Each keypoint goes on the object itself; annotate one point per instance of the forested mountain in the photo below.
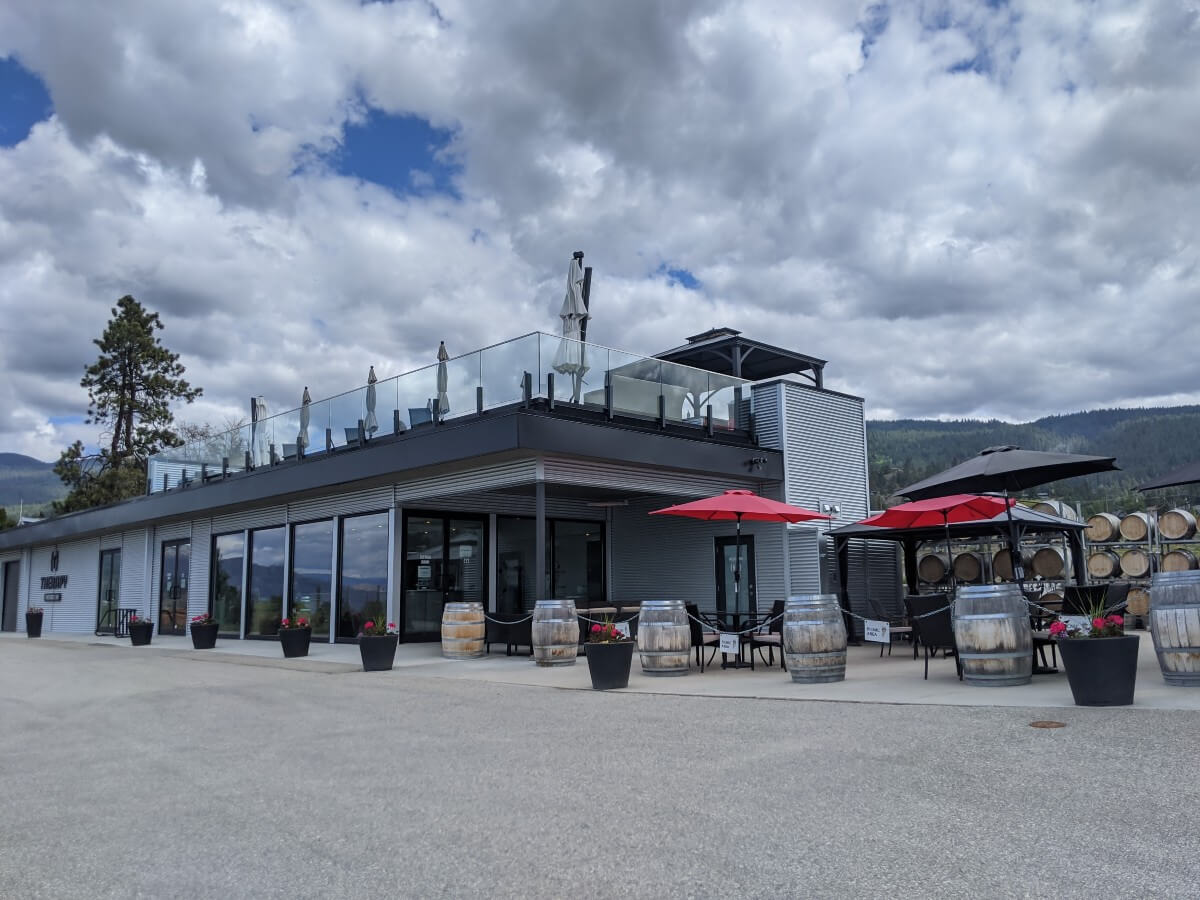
(24, 479)
(1146, 442)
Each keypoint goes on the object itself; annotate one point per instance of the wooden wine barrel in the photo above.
(1002, 563)
(1138, 601)
(932, 567)
(1103, 527)
(1104, 564)
(462, 630)
(664, 638)
(1177, 524)
(1137, 563)
(1052, 600)
(814, 638)
(991, 629)
(968, 567)
(1175, 625)
(1178, 560)
(1056, 508)
(1051, 562)
(1137, 526)
(555, 633)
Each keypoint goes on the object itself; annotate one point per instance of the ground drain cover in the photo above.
(1047, 723)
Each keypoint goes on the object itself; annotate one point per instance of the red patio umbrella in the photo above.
(941, 511)
(738, 505)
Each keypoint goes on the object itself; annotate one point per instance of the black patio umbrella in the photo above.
(1003, 469)
(1188, 474)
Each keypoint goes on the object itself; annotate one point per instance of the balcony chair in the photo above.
(935, 632)
(772, 638)
(702, 638)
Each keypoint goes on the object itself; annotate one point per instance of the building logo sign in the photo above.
(54, 582)
(53, 560)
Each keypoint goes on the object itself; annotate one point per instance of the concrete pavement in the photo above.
(171, 774)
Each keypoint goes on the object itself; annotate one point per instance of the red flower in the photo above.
(1114, 619)
(368, 625)
(284, 624)
(1097, 622)
(302, 622)
(1057, 628)
(596, 629)
(391, 626)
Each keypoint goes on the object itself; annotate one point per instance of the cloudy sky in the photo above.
(968, 208)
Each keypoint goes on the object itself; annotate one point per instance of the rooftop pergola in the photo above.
(724, 350)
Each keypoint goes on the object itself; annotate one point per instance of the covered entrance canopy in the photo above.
(1027, 522)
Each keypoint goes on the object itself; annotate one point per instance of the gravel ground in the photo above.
(127, 775)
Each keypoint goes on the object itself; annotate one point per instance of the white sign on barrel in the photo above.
(730, 643)
(879, 632)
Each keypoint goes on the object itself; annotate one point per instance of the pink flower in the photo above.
(596, 629)
(1114, 619)
(368, 625)
(1097, 622)
(391, 625)
(284, 624)
(302, 622)
(1057, 628)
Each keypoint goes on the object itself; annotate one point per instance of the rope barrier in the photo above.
(508, 621)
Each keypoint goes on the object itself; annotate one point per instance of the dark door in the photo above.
(735, 595)
(443, 561)
(12, 581)
(109, 598)
(172, 610)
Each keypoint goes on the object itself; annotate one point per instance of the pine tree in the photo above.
(130, 391)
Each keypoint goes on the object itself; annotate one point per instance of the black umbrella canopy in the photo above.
(1005, 469)
(1188, 474)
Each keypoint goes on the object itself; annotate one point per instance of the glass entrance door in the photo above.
(12, 586)
(172, 608)
(444, 560)
(735, 596)
(110, 592)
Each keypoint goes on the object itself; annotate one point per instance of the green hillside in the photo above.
(1146, 442)
(24, 479)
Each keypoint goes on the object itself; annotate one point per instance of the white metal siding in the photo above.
(263, 517)
(133, 571)
(639, 479)
(766, 401)
(375, 500)
(110, 541)
(483, 478)
(200, 566)
(825, 457)
(80, 562)
(805, 562)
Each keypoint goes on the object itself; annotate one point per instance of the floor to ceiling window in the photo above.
(229, 557)
(574, 562)
(312, 575)
(264, 607)
(110, 592)
(363, 577)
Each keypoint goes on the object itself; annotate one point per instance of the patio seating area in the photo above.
(869, 678)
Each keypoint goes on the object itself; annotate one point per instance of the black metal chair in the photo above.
(508, 629)
(936, 631)
(772, 638)
(702, 638)
(898, 626)
(1116, 596)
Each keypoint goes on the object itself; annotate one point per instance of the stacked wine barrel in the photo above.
(1139, 545)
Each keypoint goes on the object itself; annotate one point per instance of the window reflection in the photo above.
(574, 562)
(312, 574)
(266, 581)
(229, 552)
(363, 585)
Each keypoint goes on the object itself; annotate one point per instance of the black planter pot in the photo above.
(378, 651)
(33, 625)
(140, 633)
(294, 641)
(1101, 671)
(608, 664)
(204, 637)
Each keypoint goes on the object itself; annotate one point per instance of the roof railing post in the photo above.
(608, 396)
(708, 420)
(164, 481)
(328, 440)
(224, 466)
(362, 432)
(662, 410)
(395, 421)
(479, 399)
(550, 391)
(737, 407)
(751, 429)
(203, 472)
(249, 464)
(274, 458)
(526, 389)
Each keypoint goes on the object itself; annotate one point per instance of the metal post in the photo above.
(550, 390)
(539, 560)
(249, 465)
(224, 466)
(479, 399)
(164, 481)
(274, 457)
(708, 420)
(737, 406)
(662, 411)
(203, 472)
(395, 421)
(608, 396)
(362, 431)
(328, 439)
(526, 389)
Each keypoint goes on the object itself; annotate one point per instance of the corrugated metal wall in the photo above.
(640, 480)
(80, 562)
(826, 455)
(134, 571)
(201, 565)
(805, 562)
(377, 500)
(668, 557)
(484, 478)
(263, 517)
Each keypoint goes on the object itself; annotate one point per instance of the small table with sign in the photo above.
(733, 641)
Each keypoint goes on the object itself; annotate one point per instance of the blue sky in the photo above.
(24, 102)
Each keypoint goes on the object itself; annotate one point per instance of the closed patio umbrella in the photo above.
(371, 424)
(1005, 469)
(569, 359)
(736, 505)
(258, 431)
(442, 403)
(302, 435)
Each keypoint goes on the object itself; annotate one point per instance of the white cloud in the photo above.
(1014, 239)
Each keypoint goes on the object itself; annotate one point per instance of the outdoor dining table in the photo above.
(737, 622)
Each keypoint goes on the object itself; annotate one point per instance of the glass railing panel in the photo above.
(503, 366)
(417, 392)
(345, 411)
(636, 384)
(728, 399)
(686, 390)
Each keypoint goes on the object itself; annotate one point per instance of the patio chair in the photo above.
(1116, 596)
(898, 626)
(772, 638)
(508, 629)
(353, 437)
(419, 415)
(935, 632)
(702, 638)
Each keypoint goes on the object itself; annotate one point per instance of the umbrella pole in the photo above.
(949, 553)
(737, 567)
(1014, 545)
